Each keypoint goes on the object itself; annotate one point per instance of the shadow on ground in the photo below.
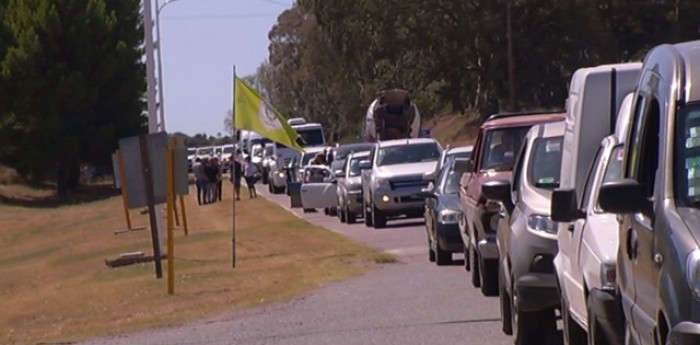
(84, 194)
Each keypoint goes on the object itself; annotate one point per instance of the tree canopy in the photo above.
(328, 58)
(73, 84)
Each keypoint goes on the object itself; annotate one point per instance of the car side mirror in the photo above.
(365, 164)
(623, 197)
(564, 206)
(464, 165)
(429, 176)
(498, 190)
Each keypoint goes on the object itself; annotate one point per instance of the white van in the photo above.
(587, 256)
(595, 97)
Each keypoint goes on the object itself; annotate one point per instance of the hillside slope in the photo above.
(454, 129)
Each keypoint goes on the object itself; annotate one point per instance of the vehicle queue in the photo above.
(588, 214)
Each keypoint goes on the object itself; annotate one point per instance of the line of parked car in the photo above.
(588, 214)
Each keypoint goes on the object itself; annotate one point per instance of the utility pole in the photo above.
(511, 58)
(151, 100)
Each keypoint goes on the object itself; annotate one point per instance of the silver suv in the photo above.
(527, 236)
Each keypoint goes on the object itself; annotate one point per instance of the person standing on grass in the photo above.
(199, 180)
(236, 176)
(219, 179)
(212, 174)
(249, 171)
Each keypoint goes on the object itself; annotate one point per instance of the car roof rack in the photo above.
(522, 113)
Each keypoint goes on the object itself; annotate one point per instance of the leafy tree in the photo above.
(76, 80)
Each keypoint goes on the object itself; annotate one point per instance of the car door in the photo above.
(320, 194)
(573, 238)
(638, 234)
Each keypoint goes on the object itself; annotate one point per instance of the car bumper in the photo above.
(685, 333)
(397, 202)
(607, 308)
(449, 238)
(277, 180)
(532, 264)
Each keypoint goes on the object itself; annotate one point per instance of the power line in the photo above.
(221, 16)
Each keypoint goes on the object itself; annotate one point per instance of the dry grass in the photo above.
(455, 129)
(56, 287)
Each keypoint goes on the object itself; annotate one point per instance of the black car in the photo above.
(442, 214)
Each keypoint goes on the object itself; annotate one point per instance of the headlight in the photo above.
(379, 182)
(608, 276)
(281, 174)
(693, 272)
(541, 223)
(449, 216)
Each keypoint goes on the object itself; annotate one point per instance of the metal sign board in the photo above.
(157, 144)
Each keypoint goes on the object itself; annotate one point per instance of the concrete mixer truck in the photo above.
(393, 115)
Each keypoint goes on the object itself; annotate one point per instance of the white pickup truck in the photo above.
(392, 178)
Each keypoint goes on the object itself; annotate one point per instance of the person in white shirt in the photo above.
(249, 172)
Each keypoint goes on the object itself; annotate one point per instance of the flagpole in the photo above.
(233, 168)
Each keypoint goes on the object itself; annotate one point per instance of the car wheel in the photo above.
(350, 217)
(474, 267)
(504, 299)
(530, 328)
(466, 258)
(489, 277)
(442, 257)
(333, 211)
(431, 252)
(572, 332)
(342, 215)
(596, 335)
(367, 215)
(325, 211)
(378, 219)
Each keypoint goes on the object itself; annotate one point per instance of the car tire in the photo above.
(325, 211)
(442, 257)
(465, 249)
(596, 336)
(530, 328)
(474, 267)
(333, 211)
(504, 300)
(488, 270)
(271, 188)
(367, 215)
(342, 216)
(431, 252)
(378, 219)
(350, 217)
(572, 332)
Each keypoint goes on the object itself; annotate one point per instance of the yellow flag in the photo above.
(253, 113)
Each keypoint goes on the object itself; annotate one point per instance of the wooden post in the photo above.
(150, 198)
(177, 216)
(170, 180)
(184, 215)
(125, 195)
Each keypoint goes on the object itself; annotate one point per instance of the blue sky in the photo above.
(202, 40)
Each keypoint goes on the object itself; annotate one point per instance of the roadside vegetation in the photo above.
(59, 288)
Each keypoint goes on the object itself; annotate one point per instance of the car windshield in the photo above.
(355, 167)
(338, 164)
(312, 137)
(191, 150)
(450, 157)
(307, 158)
(451, 182)
(415, 153)
(501, 147)
(257, 151)
(687, 156)
(205, 151)
(343, 151)
(269, 150)
(545, 163)
(228, 149)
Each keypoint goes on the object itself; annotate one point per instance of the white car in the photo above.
(319, 188)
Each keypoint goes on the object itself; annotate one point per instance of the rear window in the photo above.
(544, 167)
